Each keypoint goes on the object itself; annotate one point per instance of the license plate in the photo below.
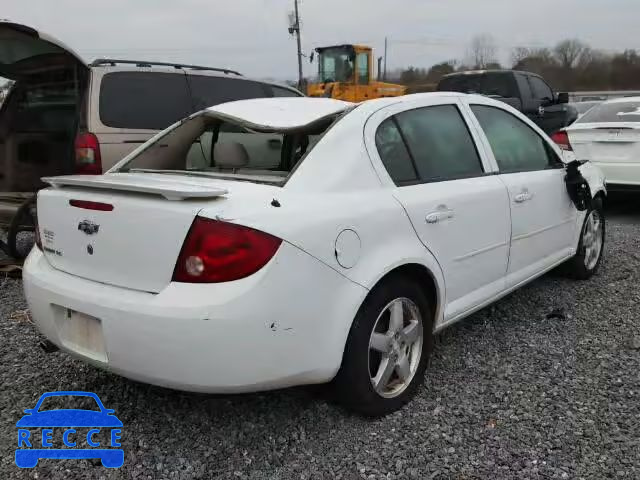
(83, 334)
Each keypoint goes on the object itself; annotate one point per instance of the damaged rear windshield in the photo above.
(208, 146)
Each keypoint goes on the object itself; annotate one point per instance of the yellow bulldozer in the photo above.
(345, 72)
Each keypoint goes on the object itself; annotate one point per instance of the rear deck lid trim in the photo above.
(169, 187)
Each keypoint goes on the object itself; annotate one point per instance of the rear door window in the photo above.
(143, 100)
(209, 91)
(394, 154)
(440, 144)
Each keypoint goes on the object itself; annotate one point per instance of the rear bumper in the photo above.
(620, 176)
(286, 325)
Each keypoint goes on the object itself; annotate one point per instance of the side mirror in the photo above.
(311, 57)
(29, 411)
(563, 98)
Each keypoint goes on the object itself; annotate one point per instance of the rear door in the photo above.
(129, 107)
(543, 219)
(458, 208)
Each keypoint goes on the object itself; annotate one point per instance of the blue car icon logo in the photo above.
(69, 433)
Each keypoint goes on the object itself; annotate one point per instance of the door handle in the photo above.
(523, 196)
(440, 215)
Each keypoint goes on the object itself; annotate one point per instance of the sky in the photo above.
(251, 35)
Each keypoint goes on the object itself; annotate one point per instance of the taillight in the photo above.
(217, 251)
(88, 160)
(561, 138)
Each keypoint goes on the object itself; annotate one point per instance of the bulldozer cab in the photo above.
(345, 72)
(344, 64)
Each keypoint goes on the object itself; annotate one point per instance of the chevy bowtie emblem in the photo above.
(88, 227)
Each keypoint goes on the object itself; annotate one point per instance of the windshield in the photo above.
(207, 146)
(336, 65)
(615, 112)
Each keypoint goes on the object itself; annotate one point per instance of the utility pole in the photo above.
(295, 29)
(384, 75)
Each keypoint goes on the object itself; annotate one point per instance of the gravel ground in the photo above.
(510, 394)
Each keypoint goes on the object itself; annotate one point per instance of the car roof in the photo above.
(287, 113)
(281, 113)
(109, 66)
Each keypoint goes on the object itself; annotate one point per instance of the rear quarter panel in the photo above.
(313, 222)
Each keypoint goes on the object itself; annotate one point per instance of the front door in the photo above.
(549, 115)
(543, 218)
(460, 213)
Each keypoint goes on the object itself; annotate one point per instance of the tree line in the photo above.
(571, 65)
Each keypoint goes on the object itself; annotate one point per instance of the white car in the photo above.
(193, 266)
(608, 135)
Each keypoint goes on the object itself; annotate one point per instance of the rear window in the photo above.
(617, 112)
(143, 100)
(492, 84)
(211, 91)
(583, 107)
(206, 146)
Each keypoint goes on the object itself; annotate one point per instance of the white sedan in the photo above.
(205, 262)
(608, 135)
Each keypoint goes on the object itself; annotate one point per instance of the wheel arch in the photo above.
(431, 283)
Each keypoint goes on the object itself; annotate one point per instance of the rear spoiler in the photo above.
(169, 188)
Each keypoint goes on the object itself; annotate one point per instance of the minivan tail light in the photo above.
(88, 159)
(561, 138)
(216, 251)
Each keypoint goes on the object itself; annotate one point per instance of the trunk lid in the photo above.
(136, 243)
(24, 51)
(606, 142)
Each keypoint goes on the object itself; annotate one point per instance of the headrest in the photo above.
(230, 155)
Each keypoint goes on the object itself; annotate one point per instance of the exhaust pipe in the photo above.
(48, 346)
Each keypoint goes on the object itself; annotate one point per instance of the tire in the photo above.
(23, 220)
(584, 264)
(363, 362)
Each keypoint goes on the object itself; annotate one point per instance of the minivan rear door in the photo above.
(23, 50)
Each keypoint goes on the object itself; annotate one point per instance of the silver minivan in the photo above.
(66, 116)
